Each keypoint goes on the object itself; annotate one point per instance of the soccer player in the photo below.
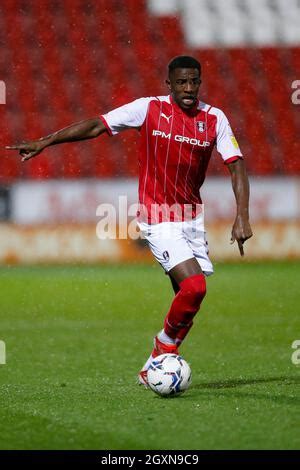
(178, 133)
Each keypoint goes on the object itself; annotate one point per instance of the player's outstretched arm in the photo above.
(82, 130)
(241, 229)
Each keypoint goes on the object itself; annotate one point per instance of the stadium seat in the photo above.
(73, 60)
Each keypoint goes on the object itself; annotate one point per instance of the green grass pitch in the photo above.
(77, 336)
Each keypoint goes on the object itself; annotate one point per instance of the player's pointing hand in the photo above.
(241, 231)
(28, 150)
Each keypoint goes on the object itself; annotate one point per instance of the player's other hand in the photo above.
(28, 150)
(241, 231)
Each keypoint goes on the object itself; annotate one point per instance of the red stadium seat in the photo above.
(76, 59)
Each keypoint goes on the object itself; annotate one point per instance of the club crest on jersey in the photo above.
(201, 126)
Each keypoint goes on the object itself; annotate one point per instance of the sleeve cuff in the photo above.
(108, 129)
(233, 159)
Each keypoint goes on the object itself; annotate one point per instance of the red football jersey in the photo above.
(175, 149)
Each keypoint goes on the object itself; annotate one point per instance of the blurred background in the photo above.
(64, 61)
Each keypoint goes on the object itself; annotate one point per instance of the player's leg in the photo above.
(189, 278)
(195, 236)
(176, 288)
(178, 259)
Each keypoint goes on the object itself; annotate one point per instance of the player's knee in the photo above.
(193, 288)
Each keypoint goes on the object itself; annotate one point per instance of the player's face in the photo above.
(184, 85)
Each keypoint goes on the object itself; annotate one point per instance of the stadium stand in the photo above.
(67, 61)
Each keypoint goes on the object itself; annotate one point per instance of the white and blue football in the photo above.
(169, 375)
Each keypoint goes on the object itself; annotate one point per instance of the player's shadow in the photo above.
(282, 380)
(220, 389)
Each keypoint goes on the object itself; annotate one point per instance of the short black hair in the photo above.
(184, 62)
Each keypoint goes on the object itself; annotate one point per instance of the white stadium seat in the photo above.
(208, 23)
(165, 7)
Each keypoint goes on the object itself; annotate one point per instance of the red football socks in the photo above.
(185, 306)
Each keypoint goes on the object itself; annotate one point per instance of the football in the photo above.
(169, 375)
